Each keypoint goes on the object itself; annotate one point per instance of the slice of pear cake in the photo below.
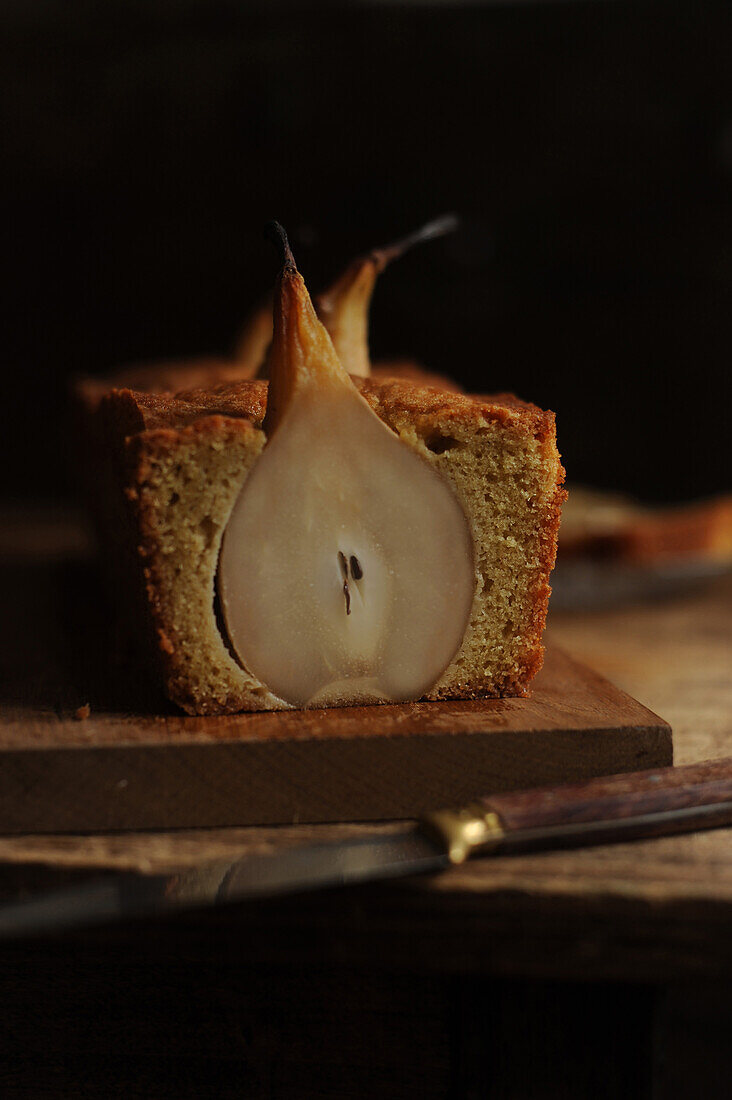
(321, 539)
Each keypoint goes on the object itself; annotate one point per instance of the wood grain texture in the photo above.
(674, 654)
(135, 770)
(615, 797)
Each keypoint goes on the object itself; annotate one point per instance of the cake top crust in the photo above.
(177, 375)
(400, 402)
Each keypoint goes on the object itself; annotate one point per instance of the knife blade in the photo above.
(597, 811)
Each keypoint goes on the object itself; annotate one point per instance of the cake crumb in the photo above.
(82, 713)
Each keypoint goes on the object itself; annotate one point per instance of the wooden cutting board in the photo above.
(141, 769)
(137, 763)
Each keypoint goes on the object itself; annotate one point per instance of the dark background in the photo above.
(588, 147)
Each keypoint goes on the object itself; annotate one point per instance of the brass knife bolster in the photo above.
(461, 832)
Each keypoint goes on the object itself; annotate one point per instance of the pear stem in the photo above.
(274, 232)
(439, 227)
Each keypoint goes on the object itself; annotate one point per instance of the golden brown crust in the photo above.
(394, 398)
(425, 407)
(205, 374)
(385, 370)
(162, 377)
(183, 459)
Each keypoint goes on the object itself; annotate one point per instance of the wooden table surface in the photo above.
(657, 907)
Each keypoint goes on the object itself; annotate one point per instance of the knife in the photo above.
(598, 811)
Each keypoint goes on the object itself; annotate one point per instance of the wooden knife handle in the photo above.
(617, 807)
(612, 798)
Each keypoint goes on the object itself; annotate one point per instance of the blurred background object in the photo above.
(588, 147)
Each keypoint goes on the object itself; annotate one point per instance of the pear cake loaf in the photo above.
(182, 463)
(322, 539)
